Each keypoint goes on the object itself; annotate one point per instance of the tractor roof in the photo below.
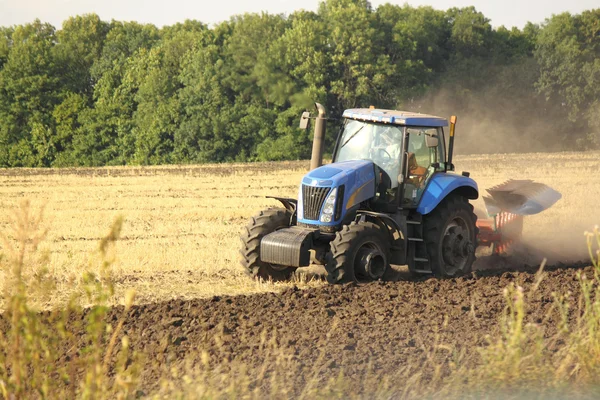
(395, 117)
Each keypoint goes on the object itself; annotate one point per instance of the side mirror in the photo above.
(431, 141)
(304, 120)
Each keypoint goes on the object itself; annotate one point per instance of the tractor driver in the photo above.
(416, 173)
(391, 139)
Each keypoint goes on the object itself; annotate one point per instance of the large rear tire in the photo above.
(450, 235)
(359, 252)
(265, 222)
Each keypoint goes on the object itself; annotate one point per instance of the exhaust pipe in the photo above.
(316, 159)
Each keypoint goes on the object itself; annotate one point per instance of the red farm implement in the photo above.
(506, 206)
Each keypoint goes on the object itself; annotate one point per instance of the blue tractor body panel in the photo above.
(441, 185)
(357, 177)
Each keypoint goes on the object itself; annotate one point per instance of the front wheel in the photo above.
(450, 235)
(359, 252)
(265, 222)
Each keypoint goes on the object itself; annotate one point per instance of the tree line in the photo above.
(114, 93)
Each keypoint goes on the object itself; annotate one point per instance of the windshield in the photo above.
(376, 142)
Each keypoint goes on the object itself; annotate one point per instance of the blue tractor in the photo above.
(390, 196)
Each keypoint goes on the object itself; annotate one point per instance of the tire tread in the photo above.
(435, 222)
(265, 222)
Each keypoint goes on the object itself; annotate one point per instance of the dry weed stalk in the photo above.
(31, 342)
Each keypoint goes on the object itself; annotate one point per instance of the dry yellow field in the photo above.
(180, 238)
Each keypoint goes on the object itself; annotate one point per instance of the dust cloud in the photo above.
(565, 245)
(504, 115)
(490, 125)
(559, 245)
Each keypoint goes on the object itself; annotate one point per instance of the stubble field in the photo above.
(179, 252)
(180, 237)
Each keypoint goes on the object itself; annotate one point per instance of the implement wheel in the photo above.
(450, 237)
(359, 252)
(265, 222)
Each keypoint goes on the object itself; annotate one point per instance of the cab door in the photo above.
(424, 157)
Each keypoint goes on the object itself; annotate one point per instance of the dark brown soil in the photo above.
(364, 329)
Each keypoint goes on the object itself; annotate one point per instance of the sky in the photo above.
(159, 12)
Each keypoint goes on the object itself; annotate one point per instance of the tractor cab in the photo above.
(405, 148)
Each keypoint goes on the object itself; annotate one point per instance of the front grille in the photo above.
(312, 200)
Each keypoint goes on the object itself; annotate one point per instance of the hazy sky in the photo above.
(501, 12)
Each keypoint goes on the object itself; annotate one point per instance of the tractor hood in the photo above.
(328, 192)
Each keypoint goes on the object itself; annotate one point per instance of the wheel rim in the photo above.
(456, 245)
(370, 262)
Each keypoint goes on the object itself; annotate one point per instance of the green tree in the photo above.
(67, 129)
(98, 93)
(299, 55)
(211, 128)
(5, 44)
(158, 110)
(568, 53)
(470, 34)
(416, 39)
(105, 137)
(80, 40)
(189, 25)
(29, 90)
(358, 66)
(122, 41)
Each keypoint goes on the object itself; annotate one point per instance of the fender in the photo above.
(360, 214)
(441, 185)
(289, 204)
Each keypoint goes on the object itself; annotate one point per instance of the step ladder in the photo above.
(417, 254)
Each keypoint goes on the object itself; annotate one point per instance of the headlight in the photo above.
(328, 208)
(299, 206)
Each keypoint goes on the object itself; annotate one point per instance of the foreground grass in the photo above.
(30, 342)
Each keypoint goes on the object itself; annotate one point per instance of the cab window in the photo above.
(420, 160)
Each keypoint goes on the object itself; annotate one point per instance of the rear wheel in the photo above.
(265, 222)
(359, 252)
(450, 236)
